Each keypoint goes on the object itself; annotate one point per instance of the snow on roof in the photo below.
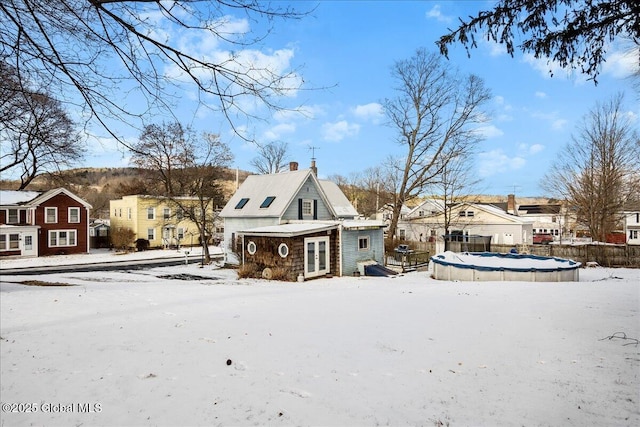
(256, 188)
(367, 223)
(16, 197)
(338, 200)
(292, 229)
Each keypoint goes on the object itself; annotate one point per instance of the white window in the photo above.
(166, 213)
(128, 213)
(283, 250)
(180, 214)
(180, 233)
(633, 234)
(151, 234)
(50, 215)
(119, 212)
(9, 242)
(59, 238)
(151, 213)
(307, 207)
(470, 213)
(462, 213)
(12, 216)
(74, 215)
(363, 243)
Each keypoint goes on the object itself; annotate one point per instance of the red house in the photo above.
(38, 224)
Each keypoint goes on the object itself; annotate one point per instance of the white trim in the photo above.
(46, 215)
(69, 215)
(57, 233)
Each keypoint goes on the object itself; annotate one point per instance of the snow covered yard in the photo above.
(141, 348)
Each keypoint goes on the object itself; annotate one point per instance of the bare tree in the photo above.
(92, 53)
(598, 172)
(271, 158)
(36, 134)
(574, 33)
(435, 114)
(185, 167)
(453, 187)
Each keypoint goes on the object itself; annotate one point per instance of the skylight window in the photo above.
(241, 203)
(267, 202)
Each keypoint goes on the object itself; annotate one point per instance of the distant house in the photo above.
(470, 219)
(55, 222)
(157, 219)
(99, 233)
(295, 221)
(632, 227)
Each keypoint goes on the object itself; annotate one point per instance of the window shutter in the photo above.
(315, 209)
(299, 208)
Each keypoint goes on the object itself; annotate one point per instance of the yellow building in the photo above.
(159, 220)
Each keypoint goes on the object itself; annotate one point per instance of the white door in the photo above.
(316, 256)
(29, 244)
(507, 239)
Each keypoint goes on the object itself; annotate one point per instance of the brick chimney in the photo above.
(511, 204)
(293, 166)
(313, 167)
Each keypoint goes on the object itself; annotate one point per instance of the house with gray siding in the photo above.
(297, 222)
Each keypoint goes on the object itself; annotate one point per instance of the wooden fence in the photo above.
(604, 255)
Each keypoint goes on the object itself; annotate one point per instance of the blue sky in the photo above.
(349, 47)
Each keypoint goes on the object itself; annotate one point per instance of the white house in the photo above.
(632, 227)
(469, 219)
(295, 221)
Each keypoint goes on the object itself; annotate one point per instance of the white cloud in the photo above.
(436, 13)
(540, 95)
(372, 111)
(556, 122)
(530, 149)
(621, 64)
(339, 130)
(559, 124)
(490, 131)
(496, 161)
(277, 131)
(536, 148)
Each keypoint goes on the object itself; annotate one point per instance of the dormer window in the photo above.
(267, 202)
(241, 203)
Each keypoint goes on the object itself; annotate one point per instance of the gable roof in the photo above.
(17, 197)
(338, 201)
(499, 213)
(283, 187)
(52, 193)
(35, 198)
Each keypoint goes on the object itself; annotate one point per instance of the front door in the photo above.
(29, 246)
(316, 256)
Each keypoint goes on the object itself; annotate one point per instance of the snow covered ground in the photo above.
(146, 348)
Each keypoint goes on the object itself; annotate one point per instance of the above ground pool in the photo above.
(489, 266)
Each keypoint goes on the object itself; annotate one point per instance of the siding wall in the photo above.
(308, 191)
(233, 225)
(62, 202)
(351, 255)
(140, 224)
(267, 253)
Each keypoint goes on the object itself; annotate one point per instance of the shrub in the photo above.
(248, 270)
(142, 244)
(283, 274)
(122, 238)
